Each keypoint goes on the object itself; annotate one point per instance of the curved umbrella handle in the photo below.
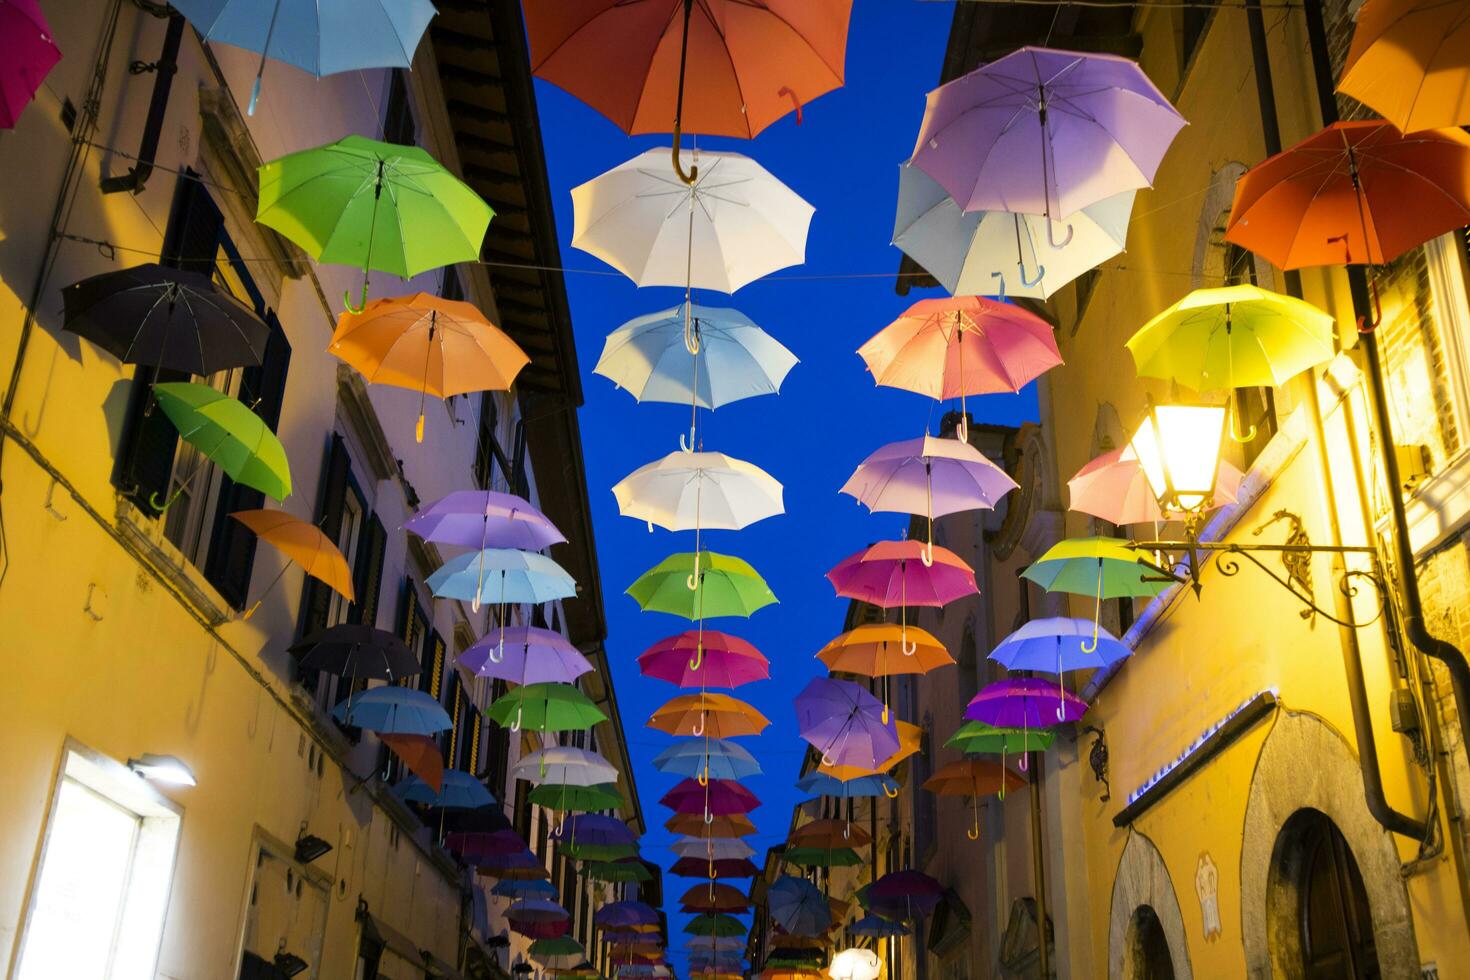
(1040, 272)
(974, 834)
(1001, 293)
(516, 725)
(827, 760)
(691, 332)
(709, 818)
(1051, 235)
(347, 297)
(927, 555)
(686, 443)
(703, 777)
(1025, 761)
(690, 178)
(497, 652)
(153, 500)
(891, 796)
(1235, 434)
(692, 580)
(962, 432)
(698, 658)
(885, 721)
(698, 730)
(475, 603)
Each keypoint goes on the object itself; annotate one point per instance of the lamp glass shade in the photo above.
(1178, 447)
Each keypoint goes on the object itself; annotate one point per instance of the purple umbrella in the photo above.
(845, 723)
(904, 895)
(1024, 702)
(1057, 644)
(616, 914)
(480, 847)
(1045, 132)
(928, 476)
(30, 54)
(596, 830)
(525, 655)
(482, 519)
(717, 797)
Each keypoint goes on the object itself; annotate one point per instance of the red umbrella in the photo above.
(420, 754)
(690, 867)
(704, 659)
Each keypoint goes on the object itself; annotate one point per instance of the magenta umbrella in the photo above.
(479, 847)
(928, 476)
(30, 54)
(893, 573)
(719, 798)
(845, 723)
(1046, 132)
(525, 655)
(707, 659)
(1024, 703)
(1113, 486)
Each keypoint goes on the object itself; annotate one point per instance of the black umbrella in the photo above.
(165, 318)
(358, 651)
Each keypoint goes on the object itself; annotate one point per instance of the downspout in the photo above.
(1038, 866)
(164, 70)
(1388, 818)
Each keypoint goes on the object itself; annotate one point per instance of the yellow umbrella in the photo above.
(303, 543)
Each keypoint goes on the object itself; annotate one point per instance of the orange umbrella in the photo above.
(427, 344)
(421, 754)
(724, 825)
(711, 715)
(973, 778)
(910, 738)
(1407, 62)
(303, 543)
(828, 834)
(720, 898)
(876, 650)
(1354, 193)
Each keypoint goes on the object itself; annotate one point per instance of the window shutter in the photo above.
(367, 576)
(452, 739)
(431, 656)
(316, 597)
(231, 555)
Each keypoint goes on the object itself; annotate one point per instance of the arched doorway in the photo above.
(1148, 947)
(1334, 926)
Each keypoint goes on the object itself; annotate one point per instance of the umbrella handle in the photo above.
(1051, 237)
(827, 760)
(709, 818)
(698, 658)
(927, 555)
(1040, 269)
(1235, 433)
(891, 796)
(974, 833)
(691, 328)
(962, 431)
(497, 654)
(347, 298)
(703, 776)
(686, 443)
(698, 729)
(1001, 293)
(153, 499)
(516, 725)
(692, 580)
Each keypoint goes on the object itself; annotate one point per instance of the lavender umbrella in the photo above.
(594, 829)
(845, 723)
(1046, 132)
(904, 895)
(483, 519)
(525, 655)
(615, 914)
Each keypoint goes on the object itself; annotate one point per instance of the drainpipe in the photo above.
(164, 70)
(1388, 818)
(1038, 866)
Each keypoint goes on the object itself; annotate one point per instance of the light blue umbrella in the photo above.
(502, 575)
(798, 906)
(460, 790)
(507, 888)
(1059, 643)
(394, 710)
(322, 37)
(726, 759)
(824, 784)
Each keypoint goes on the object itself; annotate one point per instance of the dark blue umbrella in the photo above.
(819, 783)
(460, 790)
(876, 925)
(798, 906)
(524, 889)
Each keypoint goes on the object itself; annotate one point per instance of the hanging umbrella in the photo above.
(878, 650)
(820, 783)
(627, 870)
(1048, 132)
(911, 894)
(460, 790)
(302, 543)
(563, 951)
(973, 778)
(717, 898)
(502, 576)
(704, 659)
(428, 344)
(538, 918)
(227, 432)
(1114, 487)
(421, 754)
(844, 722)
(1355, 192)
(357, 651)
(877, 927)
(715, 925)
(910, 740)
(691, 491)
(733, 225)
(1407, 62)
(584, 799)
(693, 825)
(373, 205)
(828, 833)
(594, 829)
(523, 866)
(1001, 253)
(903, 573)
(726, 586)
(954, 346)
(525, 655)
(1058, 643)
(398, 710)
(601, 853)
(1102, 567)
(544, 708)
(625, 913)
(707, 758)
(978, 738)
(798, 906)
(564, 764)
(324, 37)
(715, 848)
(719, 797)
(166, 318)
(1026, 703)
(485, 846)
(821, 857)
(929, 477)
(513, 889)
(482, 519)
(708, 714)
(704, 868)
(30, 54)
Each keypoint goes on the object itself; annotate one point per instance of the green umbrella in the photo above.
(1233, 337)
(714, 925)
(821, 857)
(576, 799)
(978, 738)
(561, 946)
(727, 586)
(1105, 568)
(373, 205)
(599, 852)
(226, 431)
(544, 708)
(617, 871)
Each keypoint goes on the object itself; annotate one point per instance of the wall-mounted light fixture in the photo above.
(289, 963)
(309, 847)
(165, 769)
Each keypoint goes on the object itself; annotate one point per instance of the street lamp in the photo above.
(855, 964)
(1178, 447)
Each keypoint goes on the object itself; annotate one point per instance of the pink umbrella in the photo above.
(711, 659)
(1114, 487)
(720, 797)
(963, 345)
(30, 54)
(928, 476)
(525, 655)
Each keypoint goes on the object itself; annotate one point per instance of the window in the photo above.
(398, 125)
(97, 908)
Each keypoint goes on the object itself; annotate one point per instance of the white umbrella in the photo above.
(714, 848)
(997, 253)
(565, 765)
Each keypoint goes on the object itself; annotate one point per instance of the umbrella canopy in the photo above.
(1101, 566)
(625, 913)
(1024, 702)
(460, 790)
(566, 765)
(303, 543)
(545, 708)
(704, 868)
(1355, 192)
(578, 851)
(421, 754)
(877, 927)
(828, 833)
(715, 758)
(910, 894)
(1407, 62)
(581, 799)
(536, 910)
(708, 714)
(521, 866)
(903, 573)
(1058, 643)
(354, 650)
(733, 359)
(226, 431)
(691, 824)
(525, 655)
(1001, 253)
(820, 783)
(878, 650)
(954, 346)
(733, 225)
(716, 924)
(845, 723)
(482, 519)
(626, 870)
(727, 586)
(978, 738)
(798, 906)
(475, 846)
(399, 710)
(171, 319)
(719, 797)
(1115, 487)
(690, 491)
(514, 889)
(428, 344)
(30, 54)
(374, 206)
(910, 740)
(563, 949)
(704, 658)
(715, 898)
(502, 575)
(594, 828)
(972, 777)
(718, 848)
(1042, 131)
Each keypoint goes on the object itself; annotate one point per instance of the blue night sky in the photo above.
(829, 415)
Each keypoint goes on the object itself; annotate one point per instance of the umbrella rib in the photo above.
(143, 320)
